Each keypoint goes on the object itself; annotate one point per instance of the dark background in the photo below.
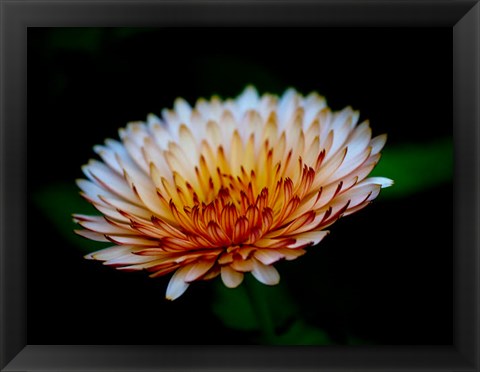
(383, 276)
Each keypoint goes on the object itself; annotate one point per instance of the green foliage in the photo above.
(58, 203)
(415, 167)
(234, 308)
(254, 306)
(301, 333)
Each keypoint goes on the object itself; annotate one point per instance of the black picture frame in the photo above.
(16, 16)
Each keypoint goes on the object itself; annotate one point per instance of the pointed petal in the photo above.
(177, 285)
(108, 253)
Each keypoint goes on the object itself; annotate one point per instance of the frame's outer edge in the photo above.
(12, 151)
(3, 337)
(12, 182)
(466, 83)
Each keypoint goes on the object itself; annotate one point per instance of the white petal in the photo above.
(127, 207)
(129, 259)
(161, 135)
(265, 274)
(358, 141)
(154, 155)
(136, 131)
(136, 159)
(183, 110)
(377, 143)
(248, 99)
(230, 277)
(382, 181)
(188, 143)
(108, 156)
(172, 122)
(356, 195)
(177, 285)
(109, 180)
(328, 169)
(136, 241)
(349, 165)
(92, 191)
(104, 227)
(108, 253)
(92, 235)
(313, 104)
(286, 108)
(342, 125)
(228, 126)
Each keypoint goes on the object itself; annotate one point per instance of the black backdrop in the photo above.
(384, 274)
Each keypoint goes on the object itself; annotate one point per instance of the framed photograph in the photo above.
(240, 186)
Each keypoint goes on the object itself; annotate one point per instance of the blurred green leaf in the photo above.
(300, 333)
(234, 306)
(58, 203)
(415, 167)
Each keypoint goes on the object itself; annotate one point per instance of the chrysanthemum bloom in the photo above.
(228, 187)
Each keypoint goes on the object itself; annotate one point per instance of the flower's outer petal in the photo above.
(286, 108)
(329, 168)
(292, 254)
(177, 285)
(248, 100)
(183, 110)
(349, 166)
(128, 208)
(92, 235)
(382, 181)
(93, 191)
(160, 132)
(358, 141)
(268, 256)
(129, 259)
(198, 269)
(108, 157)
(341, 126)
(103, 227)
(377, 143)
(230, 277)
(312, 237)
(109, 180)
(359, 194)
(265, 274)
(313, 104)
(136, 241)
(108, 253)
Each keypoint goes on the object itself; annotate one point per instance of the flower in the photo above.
(228, 187)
